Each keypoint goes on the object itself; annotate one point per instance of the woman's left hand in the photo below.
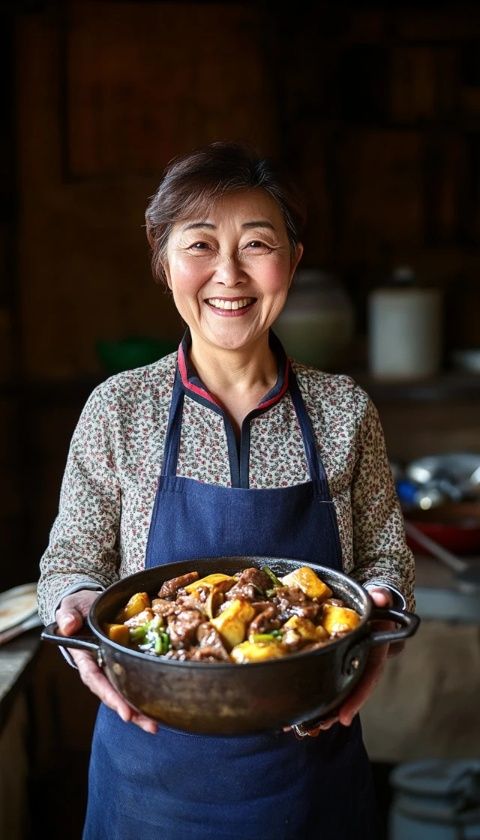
(375, 664)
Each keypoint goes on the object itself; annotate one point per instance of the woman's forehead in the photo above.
(251, 204)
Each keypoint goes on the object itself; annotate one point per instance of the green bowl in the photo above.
(129, 353)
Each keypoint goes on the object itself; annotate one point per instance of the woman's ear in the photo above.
(166, 274)
(296, 257)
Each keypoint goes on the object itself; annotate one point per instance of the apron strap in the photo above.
(172, 438)
(315, 464)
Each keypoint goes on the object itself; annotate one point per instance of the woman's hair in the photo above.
(191, 183)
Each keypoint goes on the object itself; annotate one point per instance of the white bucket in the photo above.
(436, 800)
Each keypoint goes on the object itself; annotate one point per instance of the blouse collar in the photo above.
(194, 386)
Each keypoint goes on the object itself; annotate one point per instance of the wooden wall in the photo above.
(376, 110)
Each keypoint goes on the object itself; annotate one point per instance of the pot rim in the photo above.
(353, 636)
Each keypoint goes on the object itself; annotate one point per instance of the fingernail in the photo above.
(124, 714)
(149, 727)
(67, 621)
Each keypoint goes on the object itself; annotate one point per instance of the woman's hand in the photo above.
(70, 618)
(375, 664)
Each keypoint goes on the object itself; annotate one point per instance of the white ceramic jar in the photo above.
(317, 323)
(404, 328)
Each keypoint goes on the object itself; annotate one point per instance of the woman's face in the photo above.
(230, 269)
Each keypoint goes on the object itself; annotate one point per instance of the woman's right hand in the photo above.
(70, 618)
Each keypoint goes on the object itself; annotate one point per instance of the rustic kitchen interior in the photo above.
(375, 107)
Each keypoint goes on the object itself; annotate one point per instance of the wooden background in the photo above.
(374, 107)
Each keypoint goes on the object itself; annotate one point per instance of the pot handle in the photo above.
(408, 621)
(409, 625)
(50, 634)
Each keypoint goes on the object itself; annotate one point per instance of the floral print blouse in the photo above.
(110, 480)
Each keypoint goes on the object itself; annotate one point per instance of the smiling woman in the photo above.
(229, 261)
(258, 456)
(230, 273)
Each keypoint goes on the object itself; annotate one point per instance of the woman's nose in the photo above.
(229, 272)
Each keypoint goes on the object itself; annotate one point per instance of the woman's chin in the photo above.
(231, 338)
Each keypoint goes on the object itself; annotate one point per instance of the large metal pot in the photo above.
(231, 699)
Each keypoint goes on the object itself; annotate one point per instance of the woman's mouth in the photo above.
(230, 306)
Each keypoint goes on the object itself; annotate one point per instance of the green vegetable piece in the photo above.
(276, 582)
(161, 644)
(265, 637)
(137, 634)
(165, 642)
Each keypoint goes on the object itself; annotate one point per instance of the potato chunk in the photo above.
(309, 582)
(339, 619)
(206, 582)
(136, 604)
(232, 621)
(297, 628)
(140, 618)
(257, 651)
(118, 633)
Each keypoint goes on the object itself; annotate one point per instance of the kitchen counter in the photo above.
(441, 596)
(16, 659)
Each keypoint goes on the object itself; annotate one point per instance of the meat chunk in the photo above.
(182, 628)
(162, 607)
(250, 584)
(211, 647)
(170, 587)
(265, 621)
(292, 601)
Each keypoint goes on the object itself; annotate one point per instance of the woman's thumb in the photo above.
(69, 621)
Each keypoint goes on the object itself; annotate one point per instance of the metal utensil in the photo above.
(457, 474)
(466, 577)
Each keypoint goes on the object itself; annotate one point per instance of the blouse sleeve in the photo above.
(379, 544)
(82, 549)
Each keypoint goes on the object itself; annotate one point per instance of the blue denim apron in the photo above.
(272, 786)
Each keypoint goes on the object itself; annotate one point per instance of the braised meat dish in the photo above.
(249, 616)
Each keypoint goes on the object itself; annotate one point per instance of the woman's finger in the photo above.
(92, 676)
(314, 731)
(73, 610)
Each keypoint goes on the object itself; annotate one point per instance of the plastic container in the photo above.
(317, 322)
(132, 352)
(436, 800)
(404, 328)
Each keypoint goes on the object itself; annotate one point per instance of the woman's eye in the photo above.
(199, 246)
(257, 244)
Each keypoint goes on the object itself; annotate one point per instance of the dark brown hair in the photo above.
(191, 183)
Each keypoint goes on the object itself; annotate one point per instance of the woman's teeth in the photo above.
(221, 303)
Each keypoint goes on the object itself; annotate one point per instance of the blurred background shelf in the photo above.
(442, 388)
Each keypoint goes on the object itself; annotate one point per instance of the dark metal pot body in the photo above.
(231, 699)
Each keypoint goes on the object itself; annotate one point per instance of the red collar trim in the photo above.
(204, 394)
(201, 392)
